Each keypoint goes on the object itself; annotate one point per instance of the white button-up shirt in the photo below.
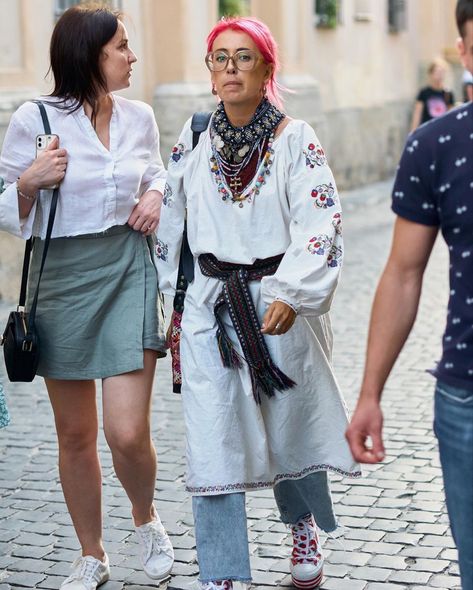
(101, 187)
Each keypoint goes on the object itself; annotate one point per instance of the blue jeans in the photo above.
(453, 426)
(221, 531)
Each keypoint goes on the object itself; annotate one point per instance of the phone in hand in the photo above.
(42, 142)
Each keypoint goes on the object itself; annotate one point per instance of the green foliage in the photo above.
(232, 8)
(326, 11)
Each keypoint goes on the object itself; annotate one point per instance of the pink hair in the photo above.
(264, 41)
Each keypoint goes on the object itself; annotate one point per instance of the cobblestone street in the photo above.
(397, 530)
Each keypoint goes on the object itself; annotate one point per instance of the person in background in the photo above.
(467, 84)
(434, 100)
(433, 191)
(98, 309)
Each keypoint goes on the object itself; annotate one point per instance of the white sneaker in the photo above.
(88, 573)
(157, 554)
(221, 585)
(306, 561)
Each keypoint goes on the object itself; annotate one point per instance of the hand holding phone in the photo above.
(43, 141)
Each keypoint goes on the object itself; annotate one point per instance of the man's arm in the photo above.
(392, 317)
(417, 115)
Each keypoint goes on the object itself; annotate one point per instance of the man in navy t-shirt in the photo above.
(433, 191)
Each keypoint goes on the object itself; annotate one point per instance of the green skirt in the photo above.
(98, 305)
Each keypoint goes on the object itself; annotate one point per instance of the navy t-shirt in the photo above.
(434, 186)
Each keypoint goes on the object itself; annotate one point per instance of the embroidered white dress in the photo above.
(232, 443)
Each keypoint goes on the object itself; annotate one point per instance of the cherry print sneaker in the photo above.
(306, 561)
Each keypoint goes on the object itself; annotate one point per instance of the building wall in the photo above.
(355, 84)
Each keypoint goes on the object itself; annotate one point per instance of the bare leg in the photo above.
(126, 416)
(75, 413)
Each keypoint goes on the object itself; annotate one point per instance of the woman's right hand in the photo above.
(48, 168)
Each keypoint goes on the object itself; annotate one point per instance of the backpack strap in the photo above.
(185, 274)
(200, 122)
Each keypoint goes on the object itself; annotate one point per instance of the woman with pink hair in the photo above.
(261, 404)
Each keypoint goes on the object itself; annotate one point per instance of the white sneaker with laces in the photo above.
(157, 554)
(88, 573)
(306, 561)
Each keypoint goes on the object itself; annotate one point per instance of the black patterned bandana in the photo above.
(234, 143)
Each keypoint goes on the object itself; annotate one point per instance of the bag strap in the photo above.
(185, 274)
(29, 243)
(24, 272)
(44, 116)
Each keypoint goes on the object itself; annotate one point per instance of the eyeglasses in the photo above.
(244, 60)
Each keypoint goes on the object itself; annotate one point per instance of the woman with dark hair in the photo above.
(99, 310)
(261, 404)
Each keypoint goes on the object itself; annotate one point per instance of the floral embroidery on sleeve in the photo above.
(319, 244)
(167, 196)
(176, 153)
(337, 223)
(335, 256)
(161, 250)
(323, 244)
(324, 195)
(314, 156)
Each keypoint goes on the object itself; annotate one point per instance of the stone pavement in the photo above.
(397, 533)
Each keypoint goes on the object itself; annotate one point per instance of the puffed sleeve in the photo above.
(154, 177)
(171, 224)
(18, 153)
(309, 271)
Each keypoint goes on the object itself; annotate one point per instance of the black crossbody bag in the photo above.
(20, 341)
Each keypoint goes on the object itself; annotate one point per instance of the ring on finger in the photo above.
(277, 327)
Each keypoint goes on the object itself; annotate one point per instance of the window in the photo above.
(397, 20)
(61, 6)
(233, 8)
(327, 13)
(363, 11)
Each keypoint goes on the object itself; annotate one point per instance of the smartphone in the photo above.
(42, 142)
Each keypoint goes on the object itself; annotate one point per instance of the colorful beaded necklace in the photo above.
(235, 148)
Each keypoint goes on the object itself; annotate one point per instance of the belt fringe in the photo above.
(266, 377)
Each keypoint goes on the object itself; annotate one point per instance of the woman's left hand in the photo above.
(278, 319)
(146, 213)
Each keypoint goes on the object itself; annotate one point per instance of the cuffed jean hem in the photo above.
(221, 527)
(308, 495)
(221, 537)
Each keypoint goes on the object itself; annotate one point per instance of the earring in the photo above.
(214, 90)
(265, 91)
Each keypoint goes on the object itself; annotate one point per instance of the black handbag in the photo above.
(20, 341)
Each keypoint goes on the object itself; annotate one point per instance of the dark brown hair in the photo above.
(76, 44)
(464, 13)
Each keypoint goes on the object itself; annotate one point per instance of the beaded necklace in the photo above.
(235, 148)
